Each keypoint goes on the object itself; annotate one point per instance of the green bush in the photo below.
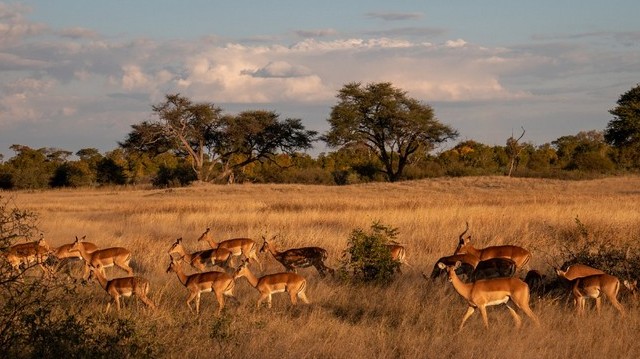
(367, 259)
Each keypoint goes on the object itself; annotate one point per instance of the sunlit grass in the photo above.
(411, 318)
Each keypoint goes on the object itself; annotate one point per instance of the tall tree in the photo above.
(623, 131)
(214, 141)
(182, 126)
(253, 136)
(383, 118)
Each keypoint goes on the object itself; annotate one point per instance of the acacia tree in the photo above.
(623, 131)
(386, 120)
(182, 126)
(201, 133)
(253, 136)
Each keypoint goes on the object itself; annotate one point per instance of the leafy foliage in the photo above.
(367, 258)
(387, 121)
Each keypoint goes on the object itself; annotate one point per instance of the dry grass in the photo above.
(411, 318)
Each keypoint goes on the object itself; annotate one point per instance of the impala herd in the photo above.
(483, 277)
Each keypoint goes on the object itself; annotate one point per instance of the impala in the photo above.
(122, 287)
(398, 253)
(246, 247)
(517, 254)
(576, 271)
(64, 254)
(468, 263)
(488, 292)
(594, 286)
(493, 268)
(25, 253)
(292, 283)
(535, 281)
(102, 258)
(473, 269)
(221, 284)
(200, 259)
(303, 257)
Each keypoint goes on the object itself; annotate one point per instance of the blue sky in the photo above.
(78, 74)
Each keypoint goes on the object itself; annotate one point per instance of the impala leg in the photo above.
(617, 305)
(485, 318)
(598, 304)
(466, 316)
(220, 298)
(515, 316)
(303, 297)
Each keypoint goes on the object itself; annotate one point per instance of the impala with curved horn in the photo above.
(517, 254)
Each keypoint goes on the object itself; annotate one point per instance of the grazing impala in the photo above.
(123, 287)
(26, 253)
(221, 284)
(576, 271)
(64, 254)
(594, 286)
(102, 258)
(517, 254)
(246, 247)
(199, 260)
(488, 292)
(292, 283)
(303, 257)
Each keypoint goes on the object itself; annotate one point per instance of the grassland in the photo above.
(412, 318)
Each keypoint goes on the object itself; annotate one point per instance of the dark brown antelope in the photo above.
(295, 258)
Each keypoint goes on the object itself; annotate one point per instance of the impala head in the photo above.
(265, 245)
(76, 245)
(205, 236)
(173, 264)
(177, 243)
(42, 243)
(242, 270)
(463, 242)
(451, 270)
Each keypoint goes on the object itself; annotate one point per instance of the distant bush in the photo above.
(367, 259)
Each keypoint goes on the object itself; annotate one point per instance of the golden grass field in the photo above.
(412, 318)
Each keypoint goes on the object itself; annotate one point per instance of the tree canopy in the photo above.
(623, 131)
(217, 144)
(386, 120)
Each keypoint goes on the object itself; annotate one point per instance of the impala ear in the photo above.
(441, 265)
(458, 264)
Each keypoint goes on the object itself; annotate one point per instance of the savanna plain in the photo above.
(410, 318)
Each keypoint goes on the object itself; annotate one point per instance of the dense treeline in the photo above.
(379, 134)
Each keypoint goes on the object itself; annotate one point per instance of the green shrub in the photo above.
(367, 259)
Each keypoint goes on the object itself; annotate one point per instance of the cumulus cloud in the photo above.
(13, 24)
